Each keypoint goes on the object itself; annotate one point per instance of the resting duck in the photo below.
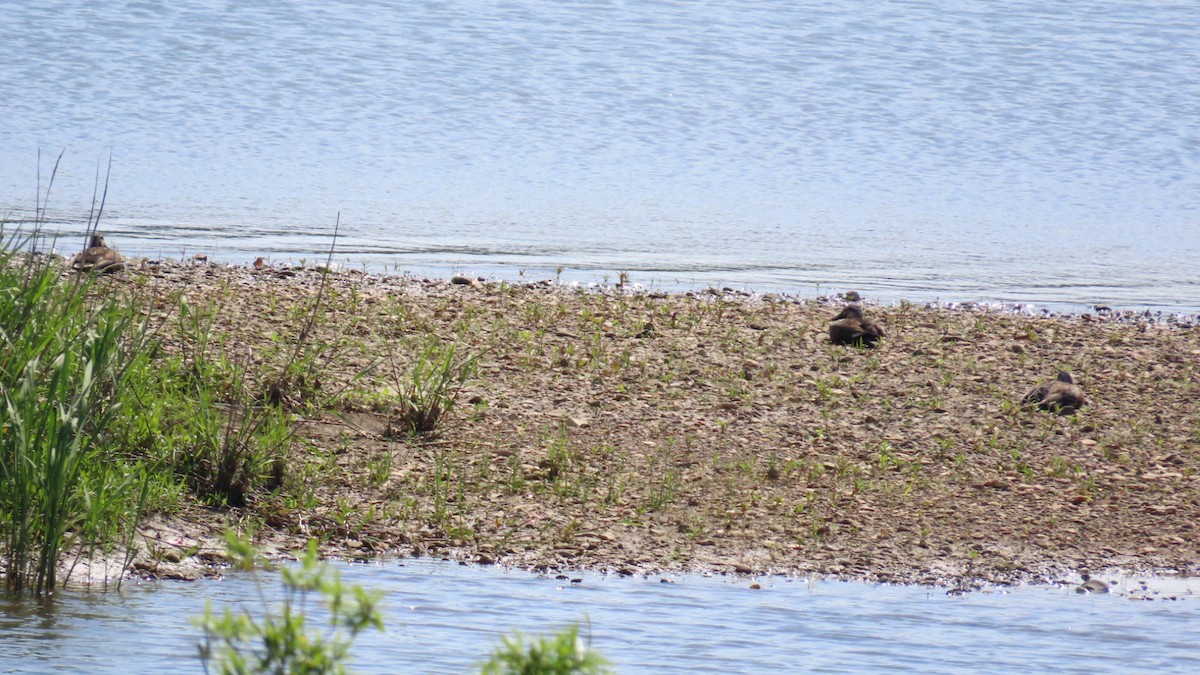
(1091, 585)
(1062, 396)
(850, 328)
(98, 258)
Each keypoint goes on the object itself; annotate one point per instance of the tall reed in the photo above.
(61, 357)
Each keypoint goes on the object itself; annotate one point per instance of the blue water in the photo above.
(444, 618)
(1017, 152)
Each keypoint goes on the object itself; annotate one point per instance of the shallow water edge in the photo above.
(650, 624)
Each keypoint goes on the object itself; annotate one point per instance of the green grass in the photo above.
(428, 390)
(64, 354)
(197, 416)
(100, 423)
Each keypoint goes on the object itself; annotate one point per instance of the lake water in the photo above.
(441, 617)
(967, 151)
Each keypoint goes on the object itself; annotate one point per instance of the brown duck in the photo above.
(850, 328)
(1091, 585)
(1062, 395)
(98, 257)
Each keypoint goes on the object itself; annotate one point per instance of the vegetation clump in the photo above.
(62, 360)
(563, 653)
(280, 640)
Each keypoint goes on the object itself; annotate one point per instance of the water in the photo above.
(913, 149)
(441, 617)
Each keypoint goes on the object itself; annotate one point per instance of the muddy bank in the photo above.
(709, 431)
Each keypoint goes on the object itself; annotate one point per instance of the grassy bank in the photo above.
(539, 425)
(63, 358)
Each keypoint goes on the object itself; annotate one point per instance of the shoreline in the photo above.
(673, 282)
(661, 432)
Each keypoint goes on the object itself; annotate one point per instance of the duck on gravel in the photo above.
(850, 328)
(1061, 395)
(98, 257)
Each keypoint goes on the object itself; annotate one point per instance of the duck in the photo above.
(98, 257)
(1091, 585)
(1060, 395)
(850, 328)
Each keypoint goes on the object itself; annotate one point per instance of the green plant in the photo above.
(560, 458)
(61, 362)
(379, 466)
(561, 654)
(223, 442)
(280, 641)
(431, 387)
(885, 457)
(663, 492)
(237, 448)
(194, 415)
(293, 383)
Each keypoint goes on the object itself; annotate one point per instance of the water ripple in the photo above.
(904, 149)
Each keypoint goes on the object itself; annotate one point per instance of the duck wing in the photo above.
(853, 332)
(1063, 397)
(100, 259)
(873, 328)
